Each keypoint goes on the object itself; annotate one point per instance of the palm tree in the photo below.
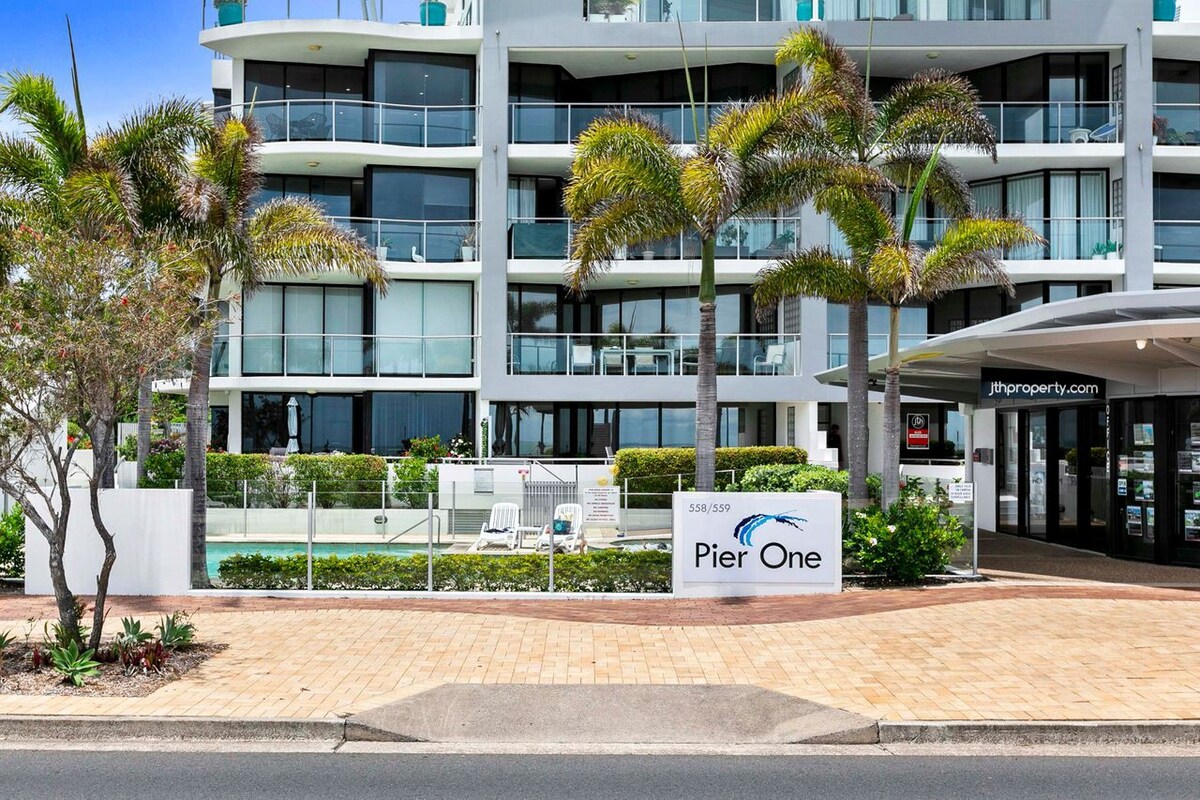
(121, 182)
(631, 184)
(228, 241)
(897, 136)
(969, 251)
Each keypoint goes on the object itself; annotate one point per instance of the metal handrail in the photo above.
(367, 353)
(1051, 228)
(1066, 117)
(734, 234)
(381, 232)
(919, 10)
(660, 354)
(373, 118)
(591, 111)
(370, 11)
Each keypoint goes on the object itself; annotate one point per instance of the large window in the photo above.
(914, 329)
(326, 423)
(561, 429)
(303, 330)
(425, 328)
(309, 90)
(1176, 217)
(399, 417)
(430, 98)
(967, 307)
(1069, 208)
(338, 197)
(1177, 101)
(427, 213)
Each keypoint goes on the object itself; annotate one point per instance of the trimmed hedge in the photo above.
(654, 471)
(226, 471)
(342, 480)
(597, 571)
(801, 478)
(12, 543)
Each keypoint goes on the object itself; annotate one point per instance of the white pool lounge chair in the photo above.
(501, 527)
(569, 541)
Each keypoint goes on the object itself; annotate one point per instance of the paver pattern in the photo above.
(975, 652)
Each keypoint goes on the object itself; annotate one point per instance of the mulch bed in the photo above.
(19, 677)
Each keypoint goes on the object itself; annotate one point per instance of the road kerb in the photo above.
(1042, 732)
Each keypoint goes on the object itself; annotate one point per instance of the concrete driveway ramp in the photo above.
(609, 714)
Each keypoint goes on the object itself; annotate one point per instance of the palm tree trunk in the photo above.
(706, 371)
(195, 465)
(144, 410)
(891, 413)
(856, 403)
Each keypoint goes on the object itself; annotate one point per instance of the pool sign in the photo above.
(733, 544)
(918, 432)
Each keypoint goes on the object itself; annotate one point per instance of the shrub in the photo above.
(226, 471)
(12, 543)
(801, 478)
(342, 480)
(164, 464)
(654, 471)
(912, 539)
(414, 481)
(598, 571)
(429, 448)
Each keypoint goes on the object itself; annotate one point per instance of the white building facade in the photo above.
(448, 146)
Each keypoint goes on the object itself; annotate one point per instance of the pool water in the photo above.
(218, 551)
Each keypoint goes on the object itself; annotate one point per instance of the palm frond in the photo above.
(24, 167)
(228, 158)
(895, 272)
(936, 100)
(831, 73)
(771, 123)
(946, 185)
(35, 102)
(622, 221)
(971, 250)
(860, 217)
(814, 272)
(100, 195)
(710, 185)
(294, 237)
(780, 181)
(617, 155)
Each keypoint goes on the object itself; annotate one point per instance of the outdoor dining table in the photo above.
(628, 353)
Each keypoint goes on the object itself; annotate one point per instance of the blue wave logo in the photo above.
(746, 528)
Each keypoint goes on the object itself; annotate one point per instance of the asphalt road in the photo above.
(259, 776)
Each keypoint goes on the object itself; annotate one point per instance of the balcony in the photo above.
(417, 241)
(360, 122)
(634, 354)
(877, 345)
(747, 239)
(395, 12)
(562, 123)
(808, 10)
(1067, 238)
(344, 356)
(1176, 124)
(1177, 241)
(1055, 123)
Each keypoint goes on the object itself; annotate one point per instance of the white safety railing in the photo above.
(345, 355)
(640, 354)
(359, 121)
(417, 241)
(1067, 238)
(740, 239)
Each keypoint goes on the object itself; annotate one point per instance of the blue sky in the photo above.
(129, 51)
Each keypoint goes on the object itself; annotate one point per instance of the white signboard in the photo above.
(601, 506)
(730, 544)
(961, 492)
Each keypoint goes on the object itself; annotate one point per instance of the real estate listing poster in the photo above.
(1122, 465)
(1143, 433)
(1149, 534)
(1191, 525)
(1145, 490)
(1195, 461)
(1133, 520)
(1123, 487)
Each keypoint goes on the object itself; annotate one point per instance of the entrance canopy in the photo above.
(1139, 339)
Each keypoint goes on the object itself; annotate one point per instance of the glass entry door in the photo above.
(1008, 472)
(1037, 476)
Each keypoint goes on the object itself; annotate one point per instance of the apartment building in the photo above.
(447, 140)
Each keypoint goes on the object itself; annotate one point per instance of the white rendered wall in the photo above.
(151, 529)
(984, 422)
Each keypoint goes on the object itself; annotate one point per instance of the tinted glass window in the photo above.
(422, 194)
(399, 417)
(424, 79)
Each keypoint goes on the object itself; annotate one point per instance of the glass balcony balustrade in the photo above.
(745, 239)
(395, 12)
(813, 10)
(359, 121)
(1068, 239)
(344, 355)
(417, 241)
(1177, 241)
(877, 344)
(641, 354)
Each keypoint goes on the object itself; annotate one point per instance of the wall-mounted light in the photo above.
(1141, 344)
(314, 164)
(316, 48)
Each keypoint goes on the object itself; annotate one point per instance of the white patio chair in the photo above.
(773, 360)
(581, 359)
(613, 357)
(501, 527)
(645, 362)
(572, 540)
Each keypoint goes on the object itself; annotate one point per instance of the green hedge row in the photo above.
(800, 478)
(654, 471)
(597, 571)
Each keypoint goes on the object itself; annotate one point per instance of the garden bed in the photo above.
(18, 675)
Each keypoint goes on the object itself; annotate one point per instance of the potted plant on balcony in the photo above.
(433, 13)
(469, 234)
(1112, 250)
(381, 249)
(671, 250)
(1099, 251)
(1159, 129)
(230, 12)
(647, 253)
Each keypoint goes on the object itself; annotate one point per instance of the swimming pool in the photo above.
(218, 551)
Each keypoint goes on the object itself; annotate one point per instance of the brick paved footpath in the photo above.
(996, 651)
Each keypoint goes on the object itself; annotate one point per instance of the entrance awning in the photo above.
(1126, 338)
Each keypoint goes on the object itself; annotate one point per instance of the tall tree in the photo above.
(236, 247)
(121, 182)
(632, 184)
(896, 135)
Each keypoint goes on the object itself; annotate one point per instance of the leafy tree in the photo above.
(81, 325)
(230, 243)
(632, 184)
(897, 135)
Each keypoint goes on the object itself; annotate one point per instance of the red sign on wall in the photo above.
(918, 432)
